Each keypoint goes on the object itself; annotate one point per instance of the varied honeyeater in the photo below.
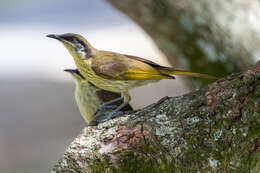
(116, 72)
(89, 98)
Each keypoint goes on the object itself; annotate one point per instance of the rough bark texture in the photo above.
(212, 129)
(217, 37)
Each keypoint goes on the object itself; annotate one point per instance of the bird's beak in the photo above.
(76, 75)
(59, 37)
(70, 71)
(55, 36)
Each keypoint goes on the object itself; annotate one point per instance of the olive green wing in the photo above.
(153, 64)
(115, 66)
(169, 71)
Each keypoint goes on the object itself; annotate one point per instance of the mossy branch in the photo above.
(212, 129)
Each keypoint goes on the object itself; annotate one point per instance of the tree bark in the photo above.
(212, 129)
(217, 37)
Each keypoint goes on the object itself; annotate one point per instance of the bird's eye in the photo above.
(78, 44)
(75, 40)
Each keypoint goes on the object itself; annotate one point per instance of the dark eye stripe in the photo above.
(74, 40)
(68, 38)
(87, 50)
(80, 42)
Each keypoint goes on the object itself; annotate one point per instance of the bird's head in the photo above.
(77, 45)
(76, 75)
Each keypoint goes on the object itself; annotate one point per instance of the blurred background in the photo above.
(38, 115)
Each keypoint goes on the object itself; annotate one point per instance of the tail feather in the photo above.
(170, 71)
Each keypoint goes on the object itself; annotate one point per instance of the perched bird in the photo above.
(89, 98)
(116, 72)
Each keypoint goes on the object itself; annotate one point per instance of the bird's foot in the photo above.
(107, 105)
(113, 114)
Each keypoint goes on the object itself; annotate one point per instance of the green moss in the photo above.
(67, 164)
(160, 9)
(255, 163)
(230, 151)
(144, 160)
(100, 164)
(212, 139)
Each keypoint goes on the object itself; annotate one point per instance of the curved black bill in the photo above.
(70, 71)
(57, 37)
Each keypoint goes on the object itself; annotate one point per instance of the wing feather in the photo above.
(115, 66)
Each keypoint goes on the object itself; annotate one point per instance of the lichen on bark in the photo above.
(212, 129)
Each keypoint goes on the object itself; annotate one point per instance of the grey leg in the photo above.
(114, 113)
(107, 105)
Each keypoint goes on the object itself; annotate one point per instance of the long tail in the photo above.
(171, 71)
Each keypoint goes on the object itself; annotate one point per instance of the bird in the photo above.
(89, 97)
(116, 72)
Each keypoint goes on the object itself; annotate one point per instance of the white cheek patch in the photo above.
(79, 49)
(82, 52)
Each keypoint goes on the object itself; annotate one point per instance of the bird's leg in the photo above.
(114, 113)
(107, 105)
(117, 112)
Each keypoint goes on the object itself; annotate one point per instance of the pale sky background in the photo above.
(28, 53)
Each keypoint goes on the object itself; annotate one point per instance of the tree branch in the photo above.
(212, 129)
(207, 36)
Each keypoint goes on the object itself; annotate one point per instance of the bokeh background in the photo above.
(38, 115)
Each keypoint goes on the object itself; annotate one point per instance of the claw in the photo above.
(106, 107)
